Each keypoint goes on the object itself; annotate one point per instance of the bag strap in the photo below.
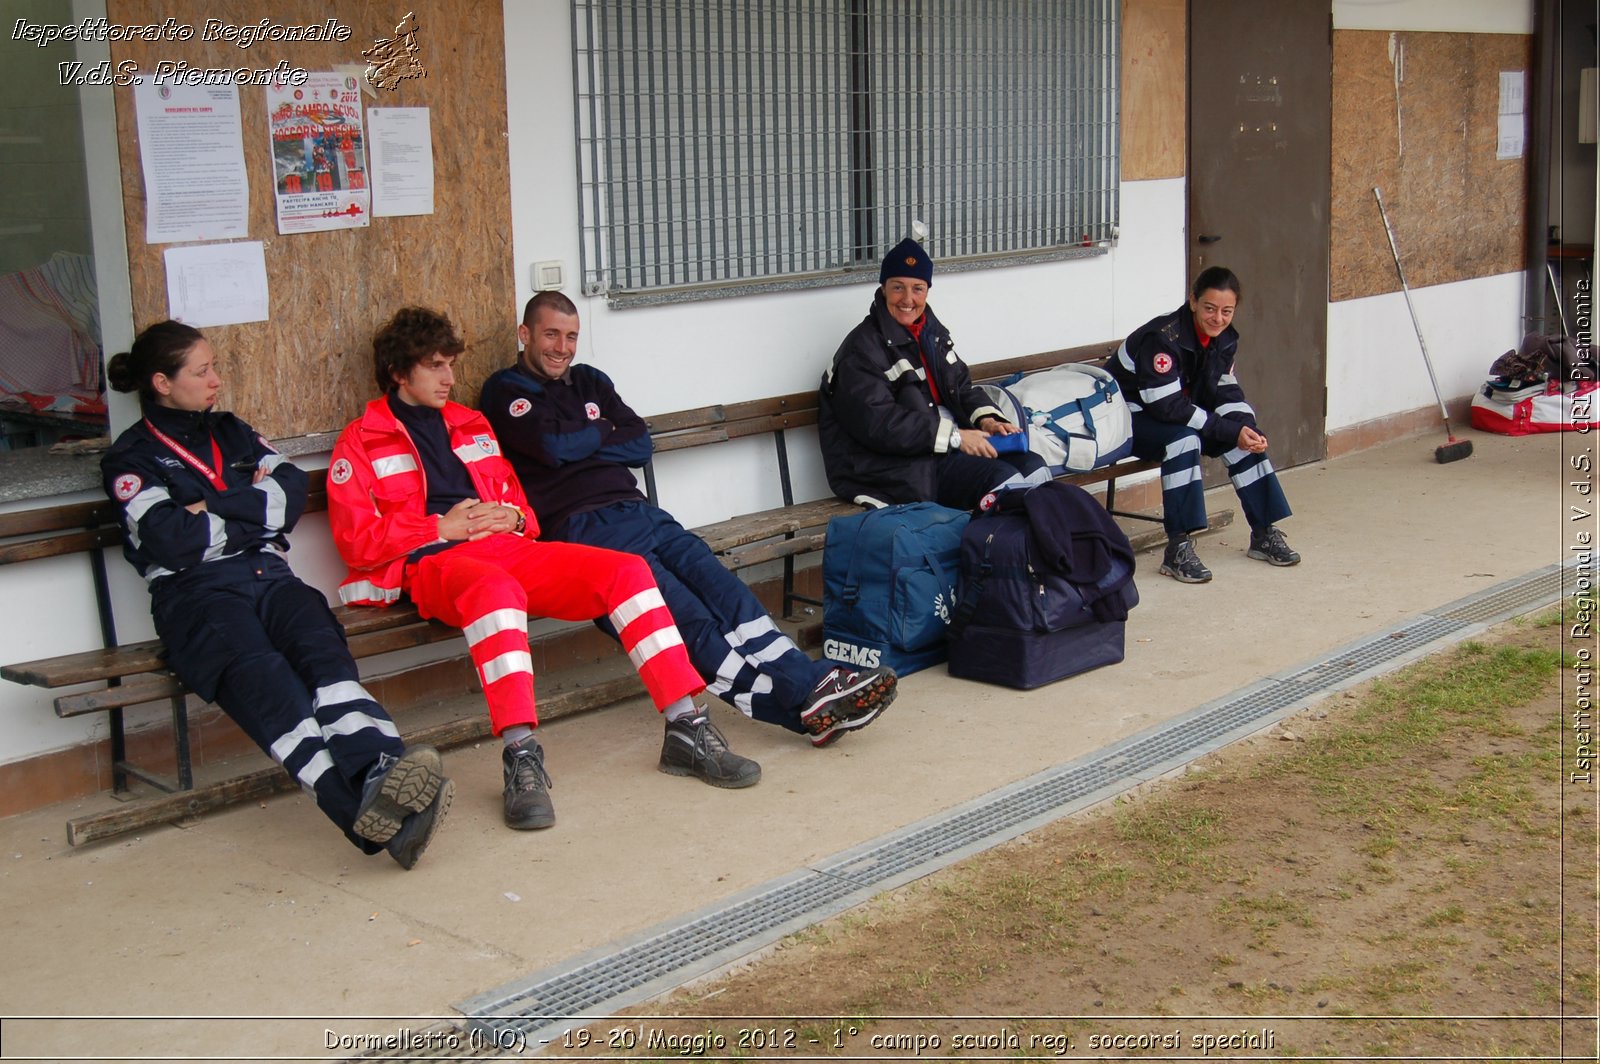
(967, 605)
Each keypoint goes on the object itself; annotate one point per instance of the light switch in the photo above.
(548, 276)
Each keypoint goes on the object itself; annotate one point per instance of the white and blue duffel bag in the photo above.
(1077, 417)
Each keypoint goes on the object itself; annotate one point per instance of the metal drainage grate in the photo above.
(540, 1008)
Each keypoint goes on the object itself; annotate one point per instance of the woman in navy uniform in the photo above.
(206, 507)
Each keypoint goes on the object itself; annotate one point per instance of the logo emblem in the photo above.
(341, 471)
(519, 407)
(591, 411)
(263, 441)
(485, 443)
(1163, 363)
(126, 486)
(911, 260)
(987, 503)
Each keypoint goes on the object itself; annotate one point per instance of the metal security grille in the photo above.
(731, 145)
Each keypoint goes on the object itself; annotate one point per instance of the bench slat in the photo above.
(747, 528)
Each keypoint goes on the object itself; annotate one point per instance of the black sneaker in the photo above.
(694, 747)
(395, 788)
(528, 805)
(414, 835)
(847, 700)
(1182, 564)
(1268, 545)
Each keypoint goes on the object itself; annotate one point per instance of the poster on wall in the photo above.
(319, 166)
(192, 151)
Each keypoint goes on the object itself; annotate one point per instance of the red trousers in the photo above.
(489, 587)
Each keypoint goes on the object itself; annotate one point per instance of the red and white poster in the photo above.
(319, 157)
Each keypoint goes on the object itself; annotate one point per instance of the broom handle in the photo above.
(1426, 361)
(1555, 290)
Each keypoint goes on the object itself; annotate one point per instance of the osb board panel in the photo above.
(309, 369)
(1423, 127)
(1154, 88)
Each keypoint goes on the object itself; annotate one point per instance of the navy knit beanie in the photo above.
(907, 259)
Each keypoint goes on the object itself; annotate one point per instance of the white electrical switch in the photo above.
(547, 276)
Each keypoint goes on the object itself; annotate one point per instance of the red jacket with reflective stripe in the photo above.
(377, 495)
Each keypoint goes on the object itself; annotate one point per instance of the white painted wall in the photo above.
(1375, 366)
(1435, 16)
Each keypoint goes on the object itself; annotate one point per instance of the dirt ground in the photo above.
(1401, 871)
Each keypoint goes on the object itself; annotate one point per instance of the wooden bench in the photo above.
(135, 674)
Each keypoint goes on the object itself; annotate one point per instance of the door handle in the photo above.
(1210, 238)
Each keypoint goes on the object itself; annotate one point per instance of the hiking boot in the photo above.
(528, 805)
(694, 747)
(395, 788)
(1268, 545)
(414, 835)
(1182, 564)
(846, 700)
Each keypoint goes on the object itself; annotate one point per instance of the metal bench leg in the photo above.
(119, 755)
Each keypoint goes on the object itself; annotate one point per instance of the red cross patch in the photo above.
(519, 407)
(986, 503)
(126, 486)
(1163, 363)
(591, 411)
(341, 471)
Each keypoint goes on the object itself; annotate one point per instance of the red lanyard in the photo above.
(212, 475)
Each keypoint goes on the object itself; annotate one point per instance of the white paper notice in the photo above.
(1512, 89)
(319, 166)
(217, 284)
(1510, 141)
(402, 161)
(196, 187)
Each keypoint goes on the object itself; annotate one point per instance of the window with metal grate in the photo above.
(729, 146)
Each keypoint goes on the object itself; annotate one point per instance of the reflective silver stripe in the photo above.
(367, 591)
(508, 664)
(395, 463)
(1249, 476)
(285, 744)
(155, 572)
(749, 630)
(1133, 407)
(653, 644)
(1197, 420)
(1234, 408)
(726, 671)
(1238, 454)
(950, 356)
(1228, 378)
(308, 776)
(1150, 395)
(1182, 446)
(1180, 478)
(473, 452)
(277, 504)
(897, 370)
(219, 538)
(334, 694)
(986, 411)
(636, 607)
(141, 503)
(494, 622)
(1125, 359)
(356, 720)
(269, 462)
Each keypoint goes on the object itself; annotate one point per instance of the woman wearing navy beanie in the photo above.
(899, 417)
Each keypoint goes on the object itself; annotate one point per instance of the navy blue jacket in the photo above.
(1164, 372)
(572, 441)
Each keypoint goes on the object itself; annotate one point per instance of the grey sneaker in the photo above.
(414, 835)
(846, 700)
(395, 788)
(694, 747)
(1268, 545)
(1182, 564)
(528, 805)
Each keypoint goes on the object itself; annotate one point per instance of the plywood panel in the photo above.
(1416, 115)
(309, 368)
(1154, 88)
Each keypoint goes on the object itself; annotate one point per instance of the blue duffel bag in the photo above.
(888, 586)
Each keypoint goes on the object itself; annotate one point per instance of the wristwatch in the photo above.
(955, 439)
(522, 523)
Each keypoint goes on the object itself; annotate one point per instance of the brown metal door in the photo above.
(1260, 109)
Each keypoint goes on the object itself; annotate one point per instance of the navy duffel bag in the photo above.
(1020, 620)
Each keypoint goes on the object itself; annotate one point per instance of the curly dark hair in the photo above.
(413, 334)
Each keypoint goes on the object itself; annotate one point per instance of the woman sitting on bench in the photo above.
(206, 508)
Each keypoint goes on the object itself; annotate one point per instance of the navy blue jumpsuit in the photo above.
(240, 628)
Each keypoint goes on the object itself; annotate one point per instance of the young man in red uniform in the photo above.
(421, 502)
